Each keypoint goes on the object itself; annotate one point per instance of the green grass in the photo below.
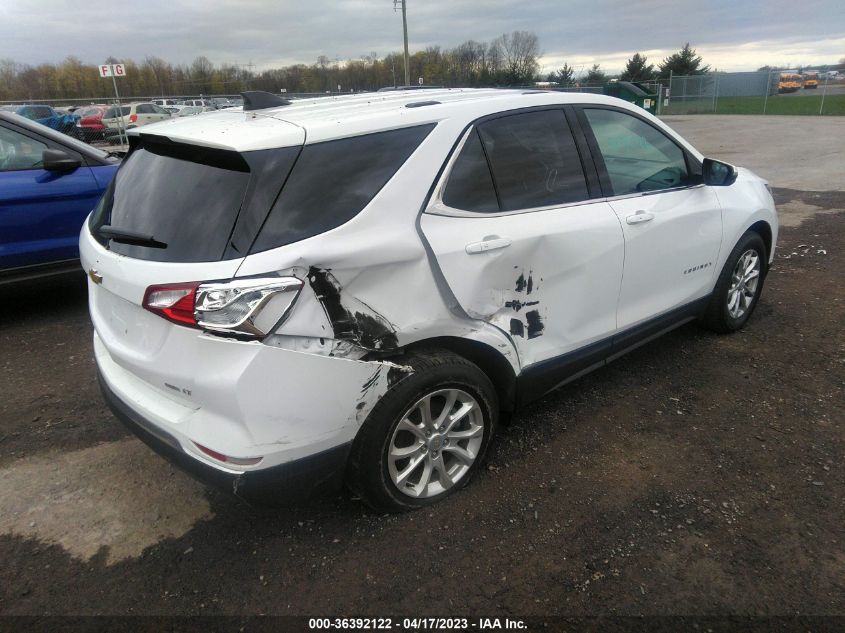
(777, 104)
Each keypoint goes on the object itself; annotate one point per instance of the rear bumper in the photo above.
(290, 482)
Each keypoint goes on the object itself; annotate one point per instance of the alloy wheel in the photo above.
(745, 280)
(435, 443)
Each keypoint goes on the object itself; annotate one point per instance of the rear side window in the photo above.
(638, 157)
(187, 199)
(470, 186)
(333, 181)
(534, 160)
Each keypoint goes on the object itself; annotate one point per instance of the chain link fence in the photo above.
(753, 93)
(99, 120)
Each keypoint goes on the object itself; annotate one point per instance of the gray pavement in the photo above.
(793, 152)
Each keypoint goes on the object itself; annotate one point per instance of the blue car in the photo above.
(49, 183)
(45, 115)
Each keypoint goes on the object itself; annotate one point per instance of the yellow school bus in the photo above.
(789, 82)
(811, 81)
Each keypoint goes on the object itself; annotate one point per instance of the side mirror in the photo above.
(57, 160)
(718, 174)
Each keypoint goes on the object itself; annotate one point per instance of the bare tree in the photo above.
(520, 51)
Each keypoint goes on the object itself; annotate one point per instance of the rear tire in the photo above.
(403, 458)
(739, 285)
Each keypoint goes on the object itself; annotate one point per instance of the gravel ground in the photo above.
(699, 475)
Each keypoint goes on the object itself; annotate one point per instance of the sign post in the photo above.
(114, 71)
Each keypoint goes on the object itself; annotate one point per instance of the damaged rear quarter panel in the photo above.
(319, 401)
(372, 276)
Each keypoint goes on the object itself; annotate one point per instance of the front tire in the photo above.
(739, 285)
(427, 435)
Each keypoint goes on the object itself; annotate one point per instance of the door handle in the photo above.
(639, 217)
(487, 244)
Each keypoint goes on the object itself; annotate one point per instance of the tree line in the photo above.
(511, 59)
(684, 62)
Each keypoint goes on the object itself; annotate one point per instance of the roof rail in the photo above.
(259, 100)
(421, 104)
(399, 88)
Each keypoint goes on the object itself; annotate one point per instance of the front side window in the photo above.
(332, 181)
(19, 152)
(534, 160)
(638, 157)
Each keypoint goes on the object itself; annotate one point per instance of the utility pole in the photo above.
(405, 31)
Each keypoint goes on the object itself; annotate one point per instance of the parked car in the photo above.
(193, 110)
(134, 115)
(352, 290)
(49, 182)
(221, 103)
(207, 103)
(89, 123)
(165, 103)
(45, 115)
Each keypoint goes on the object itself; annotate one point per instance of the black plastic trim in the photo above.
(40, 271)
(538, 379)
(421, 104)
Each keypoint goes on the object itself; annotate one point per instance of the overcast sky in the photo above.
(730, 34)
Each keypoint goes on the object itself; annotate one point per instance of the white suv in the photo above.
(297, 295)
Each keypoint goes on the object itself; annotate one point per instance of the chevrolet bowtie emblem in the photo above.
(96, 277)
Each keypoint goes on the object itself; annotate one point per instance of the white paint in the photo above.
(685, 231)
(573, 256)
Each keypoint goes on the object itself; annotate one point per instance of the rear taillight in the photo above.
(175, 302)
(249, 307)
(133, 118)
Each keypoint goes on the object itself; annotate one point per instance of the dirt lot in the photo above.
(699, 475)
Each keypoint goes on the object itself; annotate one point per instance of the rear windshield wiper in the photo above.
(124, 236)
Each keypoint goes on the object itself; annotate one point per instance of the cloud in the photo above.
(731, 35)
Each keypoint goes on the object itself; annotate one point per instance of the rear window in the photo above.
(111, 113)
(41, 112)
(333, 181)
(187, 199)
